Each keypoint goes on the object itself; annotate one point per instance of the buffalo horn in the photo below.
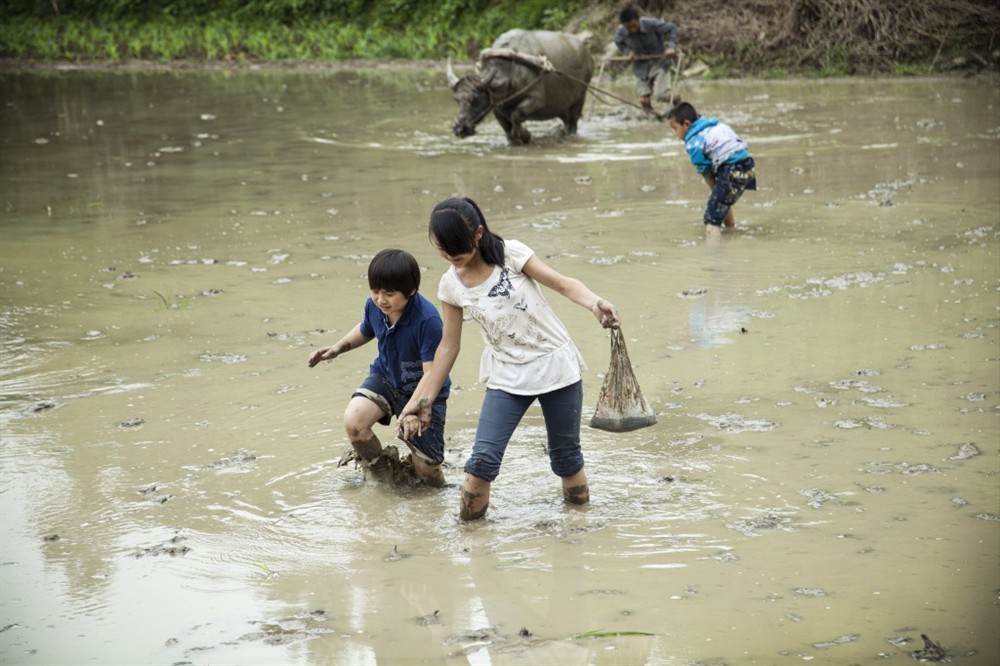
(452, 79)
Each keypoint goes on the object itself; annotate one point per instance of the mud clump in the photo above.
(387, 468)
(751, 526)
(932, 652)
(966, 450)
(285, 631)
(428, 620)
(241, 461)
(173, 547)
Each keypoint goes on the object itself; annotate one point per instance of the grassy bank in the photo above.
(266, 30)
(755, 37)
(165, 39)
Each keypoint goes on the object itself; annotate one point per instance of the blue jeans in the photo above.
(502, 411)
(431, 442)
(730, 182)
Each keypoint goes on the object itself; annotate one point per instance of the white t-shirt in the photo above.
(528, 350)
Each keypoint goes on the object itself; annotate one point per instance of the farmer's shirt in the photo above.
(403, 347)
(528, 349)
(710, 144)
(647, 41)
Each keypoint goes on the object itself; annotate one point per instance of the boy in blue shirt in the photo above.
(721, 157)
(408, 328)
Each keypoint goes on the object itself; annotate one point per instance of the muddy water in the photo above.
(822, 485)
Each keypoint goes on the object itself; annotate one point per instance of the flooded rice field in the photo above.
(821, 486)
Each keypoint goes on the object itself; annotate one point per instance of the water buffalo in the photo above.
(524, 75)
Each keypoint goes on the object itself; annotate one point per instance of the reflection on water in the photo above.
(821, 485)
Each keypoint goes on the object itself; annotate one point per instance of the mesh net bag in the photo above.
(621, 407)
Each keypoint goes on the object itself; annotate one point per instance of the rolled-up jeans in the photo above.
(500, 415)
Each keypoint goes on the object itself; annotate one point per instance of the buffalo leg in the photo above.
(504, 123)
(572, 116)
(508, 129)
(518, 133)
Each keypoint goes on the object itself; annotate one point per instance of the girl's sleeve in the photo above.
(446, 290)
(517, 254)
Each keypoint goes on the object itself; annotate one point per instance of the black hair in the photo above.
(453, 225)
(394, 270)
(682, 113)
(628, 14)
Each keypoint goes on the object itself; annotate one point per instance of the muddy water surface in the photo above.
(822, 485)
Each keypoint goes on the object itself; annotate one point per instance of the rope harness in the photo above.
(544, 65)
(494, 103)
(541, 62)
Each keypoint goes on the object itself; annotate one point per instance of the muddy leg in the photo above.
(359, 417)
(367, 449)
(368, 452)
(427, 473)
(575, 488)
(475, 498)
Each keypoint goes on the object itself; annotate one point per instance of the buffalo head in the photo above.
(474, 99)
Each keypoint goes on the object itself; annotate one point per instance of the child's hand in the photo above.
(606, 314)
(414, 419)
(323, 354)
(409, 426)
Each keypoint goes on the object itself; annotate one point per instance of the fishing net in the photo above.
(621, 407)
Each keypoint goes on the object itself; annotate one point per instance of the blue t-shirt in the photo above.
(406, 345)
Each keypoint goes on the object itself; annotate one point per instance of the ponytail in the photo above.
(454, 223)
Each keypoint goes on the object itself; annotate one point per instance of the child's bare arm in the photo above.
(573, 289)
(430, 384)
(410, 424)
(350, 341)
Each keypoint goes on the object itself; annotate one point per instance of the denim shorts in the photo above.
(429, 445)
(730, 182)
(502, 411)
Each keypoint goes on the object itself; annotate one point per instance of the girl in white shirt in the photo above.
(528, 356)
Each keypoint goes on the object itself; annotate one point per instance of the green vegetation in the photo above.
(171, 303)
(770, 38)
(265, 30)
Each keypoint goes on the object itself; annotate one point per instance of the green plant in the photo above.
(171, 303)
(598, 633)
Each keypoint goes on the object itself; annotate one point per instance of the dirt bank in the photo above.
(827, 36)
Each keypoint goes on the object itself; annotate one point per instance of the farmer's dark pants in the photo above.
(502, 412)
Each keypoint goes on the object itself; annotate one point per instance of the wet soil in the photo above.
(820, 485)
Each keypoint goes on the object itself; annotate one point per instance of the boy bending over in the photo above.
(721, 157)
